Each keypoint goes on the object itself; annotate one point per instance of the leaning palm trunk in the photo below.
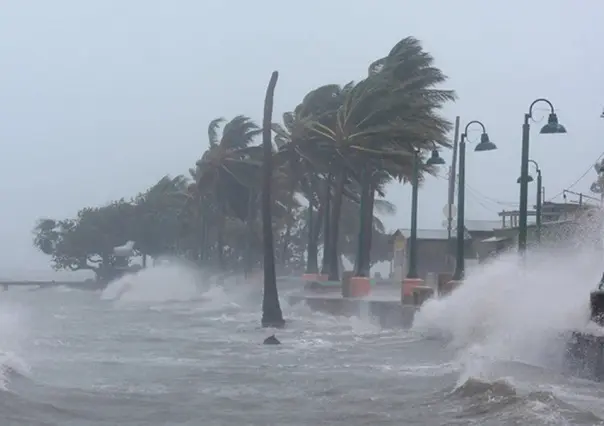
(220, 242)
(248, 262)
(313, 241)
(360, 267)
(334, 263)
(271, 310)
(369, 228)
(326, 226)
(363, 261)
(312, 263)
(203, 233)
(288, 224)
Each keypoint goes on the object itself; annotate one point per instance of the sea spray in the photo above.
(13, 332)
(170, 281)
(509, 310)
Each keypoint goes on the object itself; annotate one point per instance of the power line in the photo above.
(493, 200)
(578, 180)
(481, 203)
(482, 199)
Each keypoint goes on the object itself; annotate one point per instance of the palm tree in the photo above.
(271, 309)
(226, 173)
(380, 122)
(296, 143)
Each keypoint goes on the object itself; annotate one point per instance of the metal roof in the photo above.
(431, 234)
(482, 225)
(442, 234)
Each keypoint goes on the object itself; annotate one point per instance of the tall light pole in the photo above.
(484, 145)
(539, 200)
(552, 127)
(538, 207)
(412, 279)
(435, 159)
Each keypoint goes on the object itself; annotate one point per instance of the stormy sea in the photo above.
(170, 346)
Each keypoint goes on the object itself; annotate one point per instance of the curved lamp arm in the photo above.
(465, 132)
(536, 101)
(536, 165)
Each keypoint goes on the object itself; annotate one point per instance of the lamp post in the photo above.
(552, 127)
(484, 145)
(539, 200)
(540, 197)
(412, 278)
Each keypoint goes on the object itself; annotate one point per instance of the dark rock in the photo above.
(596, 299)
(585, 356)
(271, 340)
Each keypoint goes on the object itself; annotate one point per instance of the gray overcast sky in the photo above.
(100, 98)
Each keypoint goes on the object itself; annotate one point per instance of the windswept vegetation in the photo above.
(332, 157)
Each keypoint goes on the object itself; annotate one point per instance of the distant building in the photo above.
(436, 251)
(559, 223)
(486, 238)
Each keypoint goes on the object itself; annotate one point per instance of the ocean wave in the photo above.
(501, 401)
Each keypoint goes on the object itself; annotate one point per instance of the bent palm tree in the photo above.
(227, 171)
(271, 309)
(380, 122)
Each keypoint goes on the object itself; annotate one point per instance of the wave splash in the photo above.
(174, 281)
(505, 312)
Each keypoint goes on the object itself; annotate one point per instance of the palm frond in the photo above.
(213, 130)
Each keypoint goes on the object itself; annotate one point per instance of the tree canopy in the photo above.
(333, 155)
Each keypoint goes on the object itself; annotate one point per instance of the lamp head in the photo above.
(435, 159)
(529, 179)
(552, 126)
(485, 143)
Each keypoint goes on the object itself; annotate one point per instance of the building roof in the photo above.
(482, 225)
(430, 234)
(549, 207)
(442, 234)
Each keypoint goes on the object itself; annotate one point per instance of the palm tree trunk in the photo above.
(251, 220)
(203, 234)
(288, 223)
(271, 310)
(312, 263)
(334, 264)
(220, 241)
(326, 226)
(316, 233)
(366, 265)
(319, 224)
(360, 269)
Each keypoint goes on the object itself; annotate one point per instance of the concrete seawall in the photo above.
(388, 311)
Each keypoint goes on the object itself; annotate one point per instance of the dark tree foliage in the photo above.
(332, 155)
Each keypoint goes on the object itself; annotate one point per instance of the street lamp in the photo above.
(539, 197)
(552, 127)
(484, 145)
(412, 279)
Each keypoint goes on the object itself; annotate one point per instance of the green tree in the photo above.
(87, 242)
(157, 211)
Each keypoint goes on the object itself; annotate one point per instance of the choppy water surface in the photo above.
(164, 349)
